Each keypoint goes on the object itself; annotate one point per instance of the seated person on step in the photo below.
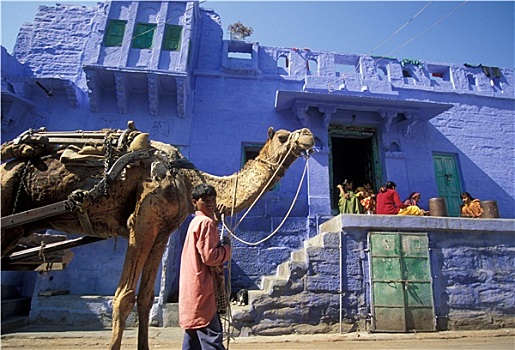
(388, 200)
(348, 202)
(367, 198)
(471, 206)
(412, 205)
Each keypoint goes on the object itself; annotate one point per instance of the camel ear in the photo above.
(271, 132)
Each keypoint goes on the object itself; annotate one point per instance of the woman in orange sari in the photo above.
(367, 198)
(471, 207)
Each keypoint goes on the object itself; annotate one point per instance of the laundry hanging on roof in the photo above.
(383, 57)
(489, 71)
(413, 62)
(492, 71)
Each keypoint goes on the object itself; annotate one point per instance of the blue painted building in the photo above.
(436, 128)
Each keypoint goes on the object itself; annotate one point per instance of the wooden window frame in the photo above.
(143, 37)
(112, 39)
(172, 37)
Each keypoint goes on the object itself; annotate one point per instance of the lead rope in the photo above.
(231, 232)
(260, 194)
(228, 325)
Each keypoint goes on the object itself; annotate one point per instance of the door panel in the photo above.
(448, 182)
(391, 319)
(386, 268)
(402, 294)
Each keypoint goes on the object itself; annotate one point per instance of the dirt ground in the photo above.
(171, 339)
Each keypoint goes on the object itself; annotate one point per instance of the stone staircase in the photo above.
(15, 309)
(302, 297)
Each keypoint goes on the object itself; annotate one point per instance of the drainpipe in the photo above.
(341, 280)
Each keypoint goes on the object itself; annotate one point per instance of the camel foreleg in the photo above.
(125, 296)
(146, 289)
(123, 303)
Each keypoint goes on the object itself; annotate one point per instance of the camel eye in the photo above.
(283, 138)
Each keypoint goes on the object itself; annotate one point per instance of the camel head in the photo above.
(283, 143)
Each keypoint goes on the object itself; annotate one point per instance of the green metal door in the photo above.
(401, 293)
(447, 181)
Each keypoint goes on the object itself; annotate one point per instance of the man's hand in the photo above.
(226, 240)
(219, 210)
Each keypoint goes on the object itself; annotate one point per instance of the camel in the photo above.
(145, 201)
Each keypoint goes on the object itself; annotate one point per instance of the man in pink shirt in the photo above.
(198, 314)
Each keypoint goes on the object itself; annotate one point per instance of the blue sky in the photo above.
(459, 32)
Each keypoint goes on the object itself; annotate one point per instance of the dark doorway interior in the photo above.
(352, 159)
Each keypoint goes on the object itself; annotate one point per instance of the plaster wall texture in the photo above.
(54, 43)
(231, 102)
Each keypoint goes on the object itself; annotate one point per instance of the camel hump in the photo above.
(140, 142)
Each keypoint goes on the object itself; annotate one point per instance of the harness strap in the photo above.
(85, 223)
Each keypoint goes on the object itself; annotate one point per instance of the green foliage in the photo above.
(240, 30)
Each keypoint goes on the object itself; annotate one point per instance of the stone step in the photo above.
(94, 311)
(324, 239)
(273, 283)
(315, 241)
(171, 315)
(76, 310)
(13, 323)
(253, 295)
(299, 255)
(12, 307)
(283, 270)
(285, 285)
(298, 264)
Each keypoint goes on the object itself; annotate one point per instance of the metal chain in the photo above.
(20, 186)
(107, 161)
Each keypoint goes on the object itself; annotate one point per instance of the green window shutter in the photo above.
(114, 33)
(172, 38)
(143, 35)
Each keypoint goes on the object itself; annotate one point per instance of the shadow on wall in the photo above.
(240, 279)
(175, 244)
(441, 295)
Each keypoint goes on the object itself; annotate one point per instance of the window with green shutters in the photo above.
(172, 38)
(114, 33)
(143, 35)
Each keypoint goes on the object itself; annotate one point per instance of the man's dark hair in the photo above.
(203, 191)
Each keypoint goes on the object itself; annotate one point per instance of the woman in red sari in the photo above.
(388, 200)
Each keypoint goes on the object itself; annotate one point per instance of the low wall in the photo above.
(472, 266)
